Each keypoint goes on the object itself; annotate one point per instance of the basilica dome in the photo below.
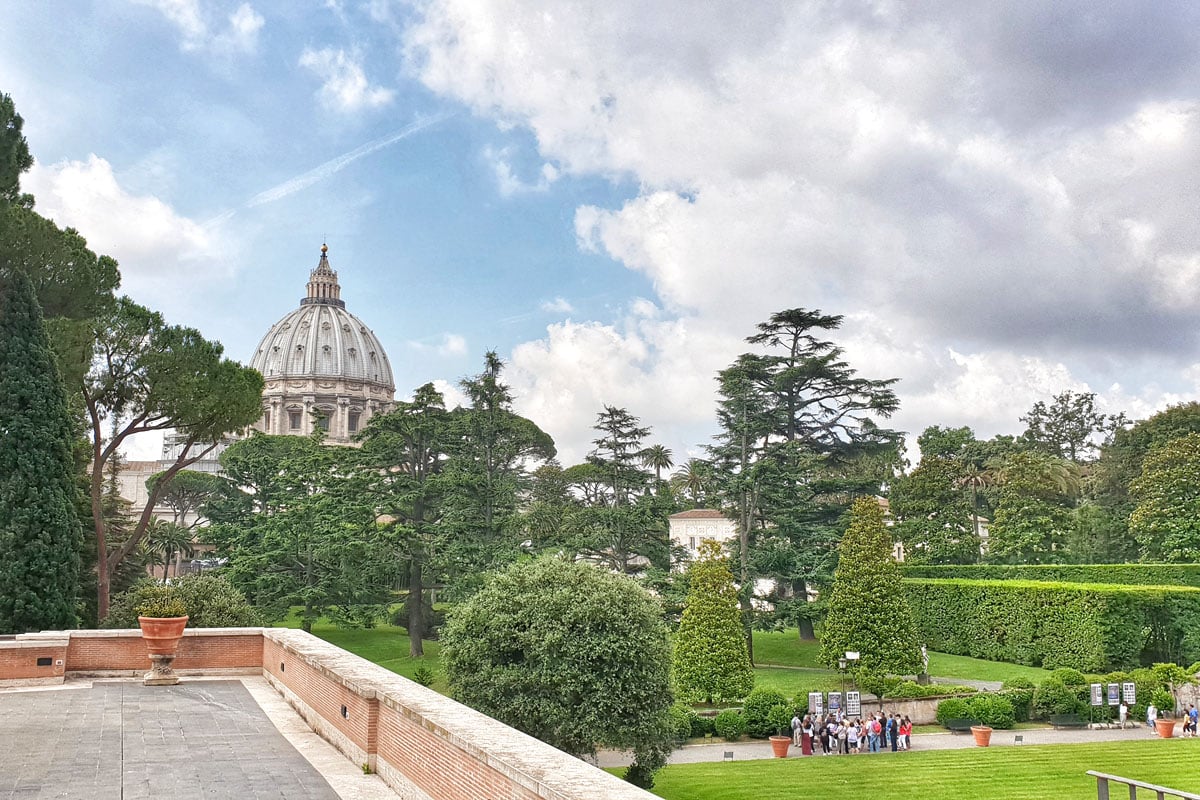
(321, 365)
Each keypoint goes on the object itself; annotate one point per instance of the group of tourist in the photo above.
(835, 734)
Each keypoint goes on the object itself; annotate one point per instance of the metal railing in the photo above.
(1160, 792)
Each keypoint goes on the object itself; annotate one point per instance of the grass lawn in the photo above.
(994, 773)
(784, 649)
(385, 645)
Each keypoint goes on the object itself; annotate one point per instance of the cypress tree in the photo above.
(40, 534)
(711, 661)
(868, 612)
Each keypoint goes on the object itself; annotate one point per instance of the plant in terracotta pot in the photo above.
(780, 717)
(162, 618)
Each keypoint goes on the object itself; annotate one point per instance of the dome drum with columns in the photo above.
(321, 361)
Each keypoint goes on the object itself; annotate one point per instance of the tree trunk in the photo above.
(415, 606)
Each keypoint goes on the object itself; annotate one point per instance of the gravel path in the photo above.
(744, 751)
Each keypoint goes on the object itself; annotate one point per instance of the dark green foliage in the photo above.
(566, 652)
(1166, 520)
(1143, 574)
(757, 712)
(710, 663)
(1019, 692)
(868, 611)
(730, 725)
(210, 601)
(40, 534)
(1052, 697)
(1084, 626)
(934, 513)
(14, 151)
(1033, 520)
(994, 710)
(911, 689)
(681, 722)
(423, 676)
(702, 725)
(1164, 701)
(953, 708)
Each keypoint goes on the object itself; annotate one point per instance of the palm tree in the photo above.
(165, 540)
(659, 458)
(694, 480)
(976, 479)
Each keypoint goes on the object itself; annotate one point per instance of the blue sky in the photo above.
(613, 194)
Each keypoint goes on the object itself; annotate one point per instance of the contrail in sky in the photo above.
(330, 167)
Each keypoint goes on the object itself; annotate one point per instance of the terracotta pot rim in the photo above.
(168, 619)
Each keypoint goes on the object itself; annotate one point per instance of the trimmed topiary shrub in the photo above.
(757, 711)
(681, 722)
(994, 710)
(1121, 574)
(953, 708)
(730, 725)
(909, 689)
(1019, 692)
(1052, 697)
(1083, 626)
(701, 726)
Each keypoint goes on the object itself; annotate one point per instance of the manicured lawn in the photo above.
(784, 648)
(995, 773)
(385, 645)
(796, 681)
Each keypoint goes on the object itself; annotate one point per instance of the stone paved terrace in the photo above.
(260, 713)
(119, 739)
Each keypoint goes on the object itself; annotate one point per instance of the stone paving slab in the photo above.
(200, 739)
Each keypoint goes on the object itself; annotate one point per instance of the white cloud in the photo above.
(507, 180)
(1020, 229)
(344, 83)
(157, 247)
(558, 305)
(450, 344)
(239, 34)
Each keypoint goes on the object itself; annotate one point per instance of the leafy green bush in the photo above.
(701, 725)
(730, 725)
(1123, 574)
(780, 720)
(423, 676)
(1083, 626)
(1070, 677)
(210, 601)
(1019, 692)
(757, 711)
(159, 601)
(681, 722)
(994, 710)
(953, 708)
(910, 689)
(1164, 701)
(1052, 697)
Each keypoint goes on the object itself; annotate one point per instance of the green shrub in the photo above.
(1164, 701)
(210, 601)
(1122, 574)
(701, 725)
(910, 689)
(423, 676)
(158, 601)
(1052, 697)
(1070, 677)
(953, 708)
(681, 722)
(757, 711)
(1083, 626)
(994, 710)
(730, 725)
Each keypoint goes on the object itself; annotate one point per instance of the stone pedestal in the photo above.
(160, 673)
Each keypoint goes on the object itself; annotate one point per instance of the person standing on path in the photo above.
(1151, 715)
(894, 731)
(796, 726)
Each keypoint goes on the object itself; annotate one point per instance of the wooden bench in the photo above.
(961, 725)
(1067, 721)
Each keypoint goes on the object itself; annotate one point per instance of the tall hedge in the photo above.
(1089, 627)
(1131, 574)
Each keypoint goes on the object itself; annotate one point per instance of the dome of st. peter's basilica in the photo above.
(322, 365)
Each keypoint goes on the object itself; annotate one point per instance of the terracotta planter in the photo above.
(982, 734)
(1165, 727)
(162, 634)
(780, 745)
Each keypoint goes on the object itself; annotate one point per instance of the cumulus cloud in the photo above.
(237, 33)
(559, 305)
(344, 84)
(1001, 199)
(508, 182)
(156, 246)
(449, 344)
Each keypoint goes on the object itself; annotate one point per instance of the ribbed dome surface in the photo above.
(322, 341)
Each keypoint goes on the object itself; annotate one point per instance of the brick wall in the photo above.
(422, 744)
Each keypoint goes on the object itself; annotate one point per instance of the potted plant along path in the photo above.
(982, 734)
(162, 618)
(781, 720)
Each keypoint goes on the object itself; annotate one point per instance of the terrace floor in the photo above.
(205, 738)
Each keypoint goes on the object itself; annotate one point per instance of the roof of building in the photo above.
(698, 513)
(321, 339)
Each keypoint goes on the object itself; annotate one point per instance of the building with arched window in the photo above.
(322, 366)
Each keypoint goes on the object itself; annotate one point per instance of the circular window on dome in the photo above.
(325, 326)
(345, 327)
(325, 348)
(352, 351)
